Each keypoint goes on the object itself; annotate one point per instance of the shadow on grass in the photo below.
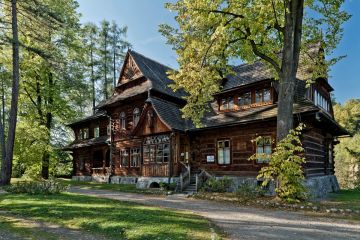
(114, 219)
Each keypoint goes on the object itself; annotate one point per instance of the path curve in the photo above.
(245, 222)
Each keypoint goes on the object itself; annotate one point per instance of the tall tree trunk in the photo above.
(48, 124)
(105, 67)
(2, 120)
(92, 78)
(6, 167)
(114, 66)
(290, 61)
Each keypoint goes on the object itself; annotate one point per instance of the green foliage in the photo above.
(44, 187)
(285, 167)
(247, 192)
(217, 185)
(213, 33)
(347, 152)
(167, 186)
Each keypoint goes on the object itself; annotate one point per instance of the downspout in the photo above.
(171, 158)
(110, 149)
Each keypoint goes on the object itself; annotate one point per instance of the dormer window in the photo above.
(83, 133)
(227, 103)
(96, 132)
(122, 120)
(321, 101)
(244, 99)
(262, 95)
(136, 116)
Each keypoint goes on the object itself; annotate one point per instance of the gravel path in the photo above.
(243, 222)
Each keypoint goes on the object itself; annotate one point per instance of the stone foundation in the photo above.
(320, 186)
(82, 178)
(146, 182)
(123, 180)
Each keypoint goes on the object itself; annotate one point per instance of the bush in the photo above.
(37, 187)
(246, 192)
(167, 186)
(285, 168)
(217, 185)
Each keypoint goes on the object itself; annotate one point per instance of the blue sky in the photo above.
(144, 16)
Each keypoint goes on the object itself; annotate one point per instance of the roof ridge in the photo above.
(153, 60)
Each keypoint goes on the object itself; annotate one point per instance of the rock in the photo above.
(341, 210)
(333, 210)
(310, 204)
(315, 208)
(302, 207)
(328, 210)
(348, 210)
(357, 211)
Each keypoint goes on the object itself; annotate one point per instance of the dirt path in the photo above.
(24, 228)
(246, 223)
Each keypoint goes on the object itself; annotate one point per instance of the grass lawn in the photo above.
(130, 188)
(109, 218)
(344, 199)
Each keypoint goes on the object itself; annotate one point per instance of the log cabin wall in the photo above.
(86, 159)
(204, 145)
(319, 153)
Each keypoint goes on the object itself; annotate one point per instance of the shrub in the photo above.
(285, 168)
(246, 192)
(37, 187)
(217, 185)
(167, 186)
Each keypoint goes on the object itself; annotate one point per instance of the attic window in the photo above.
(227, 103)
(123, 120)
(262, 95)
(244, 99)
(320, 101)
(136, 116)
(96, 131)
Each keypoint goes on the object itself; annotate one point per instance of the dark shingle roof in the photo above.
(96, 115)
(88, 142)
(157, 79)
(213, 119)
(170, 114)
(156, 73)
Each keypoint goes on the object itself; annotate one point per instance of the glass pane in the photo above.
(244, 99)
(231, 103)
(227, 143)
(267, 149)
(266, 95)
(220, 144)
(220, 156)
(259, 96)
(227, 156)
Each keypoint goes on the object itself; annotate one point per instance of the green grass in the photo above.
(344, 199)
(109, 218)
(130, 188)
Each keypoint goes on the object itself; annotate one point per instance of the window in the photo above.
(134, 157)
(223, 152)
(227, 103)
(321, 101)
(81, 163)
(124, 158)
(122, 120)
(156, 149)
(85, 133)
(80, 134)
(263, 149)
(136, 116)
(108, 129)
(244, 99)
(262, 95)
(96, 131)
(149, 153)
(162, 153)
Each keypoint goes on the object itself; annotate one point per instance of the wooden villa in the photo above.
(138, 135)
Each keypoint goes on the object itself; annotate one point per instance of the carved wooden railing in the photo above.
(184, 176)
(201, 178)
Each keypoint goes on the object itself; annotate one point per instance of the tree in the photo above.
(276, 32)
(347, 152)
(90, 35)
(7, 153)
(119, 45)
(105, 58)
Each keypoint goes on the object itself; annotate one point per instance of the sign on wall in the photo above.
(210, 158)
(157, 139)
